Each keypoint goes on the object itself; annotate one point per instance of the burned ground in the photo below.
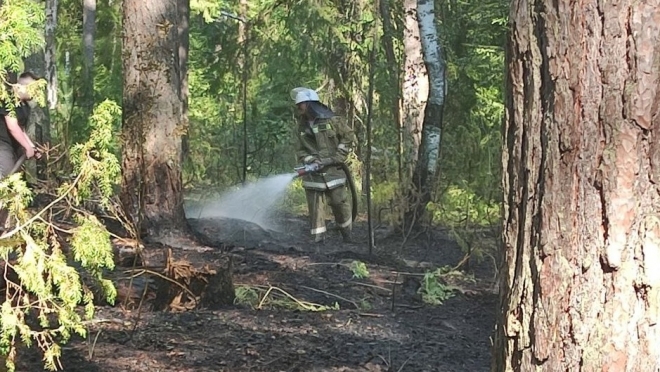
(376, 323)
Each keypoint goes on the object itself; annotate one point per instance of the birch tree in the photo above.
(580, 286)
(415, 86)
(434, 60)
(50, 57)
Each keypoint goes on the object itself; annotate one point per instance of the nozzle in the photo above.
(307, 168)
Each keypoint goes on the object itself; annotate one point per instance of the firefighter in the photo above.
(325, 139)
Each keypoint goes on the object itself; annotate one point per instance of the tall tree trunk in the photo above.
(51, 58)
(580, 283)
(395, 80)
(415, 86)
(87, 81)
(39, 116)
(184, 47)
(152, 117)
(243, 40)
(434, 60)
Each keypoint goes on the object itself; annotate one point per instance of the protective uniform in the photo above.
(328, 139)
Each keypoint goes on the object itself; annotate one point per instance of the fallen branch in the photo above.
(374, 286)
(309, 306)
(331, 295)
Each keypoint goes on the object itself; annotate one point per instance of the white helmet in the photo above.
(303, 95)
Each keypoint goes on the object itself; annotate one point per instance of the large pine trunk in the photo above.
(580, 279)
(152, 117)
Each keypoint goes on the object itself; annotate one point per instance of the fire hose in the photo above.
(18, 164)
(318, 167)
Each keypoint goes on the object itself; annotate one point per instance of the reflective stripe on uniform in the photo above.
(318, 230)
(321, 128)
(347, 223)
(324, 185)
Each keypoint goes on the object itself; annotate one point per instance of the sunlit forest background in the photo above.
(244, 59)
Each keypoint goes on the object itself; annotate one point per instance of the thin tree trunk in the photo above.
(434, 61)
(395, 80)
(51, 59)
(152, 117)
(39, 116)
(415, 86)
(87, 81)
(243, 39)
(184, 47)
(580, 284)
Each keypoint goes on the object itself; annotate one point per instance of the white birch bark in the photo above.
(50, 56)
(415, 84)
(435, 65)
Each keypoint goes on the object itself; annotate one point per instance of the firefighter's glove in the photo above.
(309, 159)
(342, 152)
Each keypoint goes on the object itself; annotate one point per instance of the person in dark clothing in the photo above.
(12, 132)
(12, 128)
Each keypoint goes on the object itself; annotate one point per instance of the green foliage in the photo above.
(260, 297)
(21, 22)
(433, 290)
(246, 296)
(473, 35)
(461, 206)
(359, 270)
(94, 160)
(45, 287)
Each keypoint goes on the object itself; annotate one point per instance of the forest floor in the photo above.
(373, 329)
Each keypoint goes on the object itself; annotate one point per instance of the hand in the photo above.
(37, 154)
(309, 159)
(29, 153)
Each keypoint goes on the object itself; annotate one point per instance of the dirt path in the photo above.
(372, 330)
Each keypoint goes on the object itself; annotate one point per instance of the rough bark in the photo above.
(415, 86)
(580, 281)
(152, 117)
(87, 78)
(434, 61)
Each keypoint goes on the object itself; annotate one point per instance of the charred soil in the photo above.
(332, 321)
